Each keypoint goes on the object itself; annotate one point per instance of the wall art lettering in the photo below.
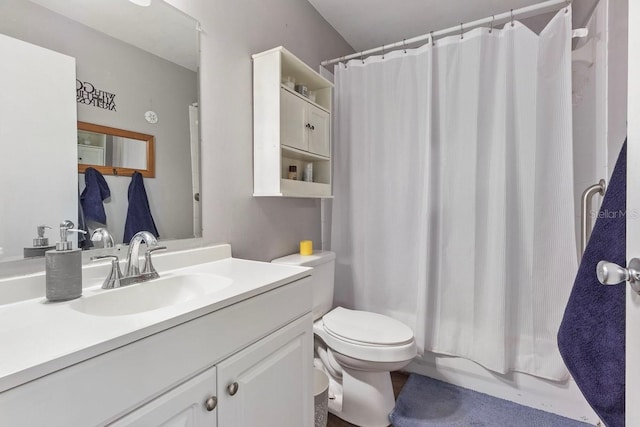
(88, 94)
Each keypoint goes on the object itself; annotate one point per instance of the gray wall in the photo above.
(141, 82)
(257, 228)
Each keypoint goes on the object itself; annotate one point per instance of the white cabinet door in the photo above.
(319, 131)
(270, 382)
(293, 122)
(192, 404)
(90, 155)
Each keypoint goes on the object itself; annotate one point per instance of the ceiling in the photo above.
(366, 24)
(160, 28)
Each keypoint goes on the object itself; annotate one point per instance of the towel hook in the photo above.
(512, 17)
(491, 25)
(404, 46)
(461, 32)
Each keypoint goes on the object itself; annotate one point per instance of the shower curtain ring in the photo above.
(361, 58)
(512, 17)
(491, 25)
(461, 32)
(433, 42)
(568, 2)
(382, 51)
(404, 46)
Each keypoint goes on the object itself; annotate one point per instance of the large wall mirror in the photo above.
(136, 71)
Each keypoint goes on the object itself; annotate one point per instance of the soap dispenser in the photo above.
(40, 244)
(64, 267)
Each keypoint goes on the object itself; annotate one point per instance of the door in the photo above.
(632, 217)
(192, 404)
(293, 124)
(319, 131)
(633, 220)
(270, 382)
(194, 134)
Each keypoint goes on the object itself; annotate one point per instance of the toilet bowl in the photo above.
(357, 349)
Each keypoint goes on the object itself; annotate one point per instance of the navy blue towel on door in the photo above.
(139, 216)
(592, 333)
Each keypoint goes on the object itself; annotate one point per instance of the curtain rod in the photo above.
(495, 20)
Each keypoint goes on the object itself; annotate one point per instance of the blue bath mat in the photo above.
(427, 402)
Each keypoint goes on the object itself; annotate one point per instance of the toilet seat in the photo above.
(366, 336)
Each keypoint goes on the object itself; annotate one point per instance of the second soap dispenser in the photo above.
(64, 267)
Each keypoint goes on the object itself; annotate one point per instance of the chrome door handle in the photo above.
(610, 273)
(211, 403)
(232, 388)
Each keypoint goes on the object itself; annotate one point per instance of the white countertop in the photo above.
(38, 337)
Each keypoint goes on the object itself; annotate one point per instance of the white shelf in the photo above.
(290, 129)
(295, 153)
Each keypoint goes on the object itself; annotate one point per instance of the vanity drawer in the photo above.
(102, 389)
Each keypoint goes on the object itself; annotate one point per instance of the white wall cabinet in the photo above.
(290, 129)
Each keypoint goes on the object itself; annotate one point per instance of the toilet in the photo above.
(357, 349)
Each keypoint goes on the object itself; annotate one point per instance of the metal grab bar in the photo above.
(588, 194)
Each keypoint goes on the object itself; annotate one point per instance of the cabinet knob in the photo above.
(211, 403)
(232, 388)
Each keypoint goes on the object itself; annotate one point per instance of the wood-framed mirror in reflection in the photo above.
(113, 151)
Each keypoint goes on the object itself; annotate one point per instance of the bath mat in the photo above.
(425, 402)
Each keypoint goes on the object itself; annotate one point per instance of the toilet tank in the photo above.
(323, 263)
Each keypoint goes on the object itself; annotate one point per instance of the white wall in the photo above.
(257, 228)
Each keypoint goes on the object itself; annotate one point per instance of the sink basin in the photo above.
(147, 296)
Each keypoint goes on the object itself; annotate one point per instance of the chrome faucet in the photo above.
(132, 269)
(102, 235)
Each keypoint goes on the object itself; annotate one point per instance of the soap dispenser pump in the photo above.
(40, 244)
(64, 267)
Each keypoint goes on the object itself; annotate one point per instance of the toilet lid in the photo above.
(366, 327)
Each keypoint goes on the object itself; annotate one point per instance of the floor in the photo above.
(397, 379)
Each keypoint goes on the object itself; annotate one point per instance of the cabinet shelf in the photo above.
(289, 129)
(295, 153)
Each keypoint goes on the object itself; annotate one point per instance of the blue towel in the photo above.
(592, 333)
(95, 192)
(138, 214)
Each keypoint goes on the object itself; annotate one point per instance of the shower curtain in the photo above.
(453, 185)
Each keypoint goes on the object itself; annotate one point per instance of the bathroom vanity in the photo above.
(220, 342)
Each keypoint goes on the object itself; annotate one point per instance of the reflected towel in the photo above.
(95, 192)
(592, 333)
(139, 216)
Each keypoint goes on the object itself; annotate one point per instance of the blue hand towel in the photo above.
(592, 333)
(139, 216)
(95, 192)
